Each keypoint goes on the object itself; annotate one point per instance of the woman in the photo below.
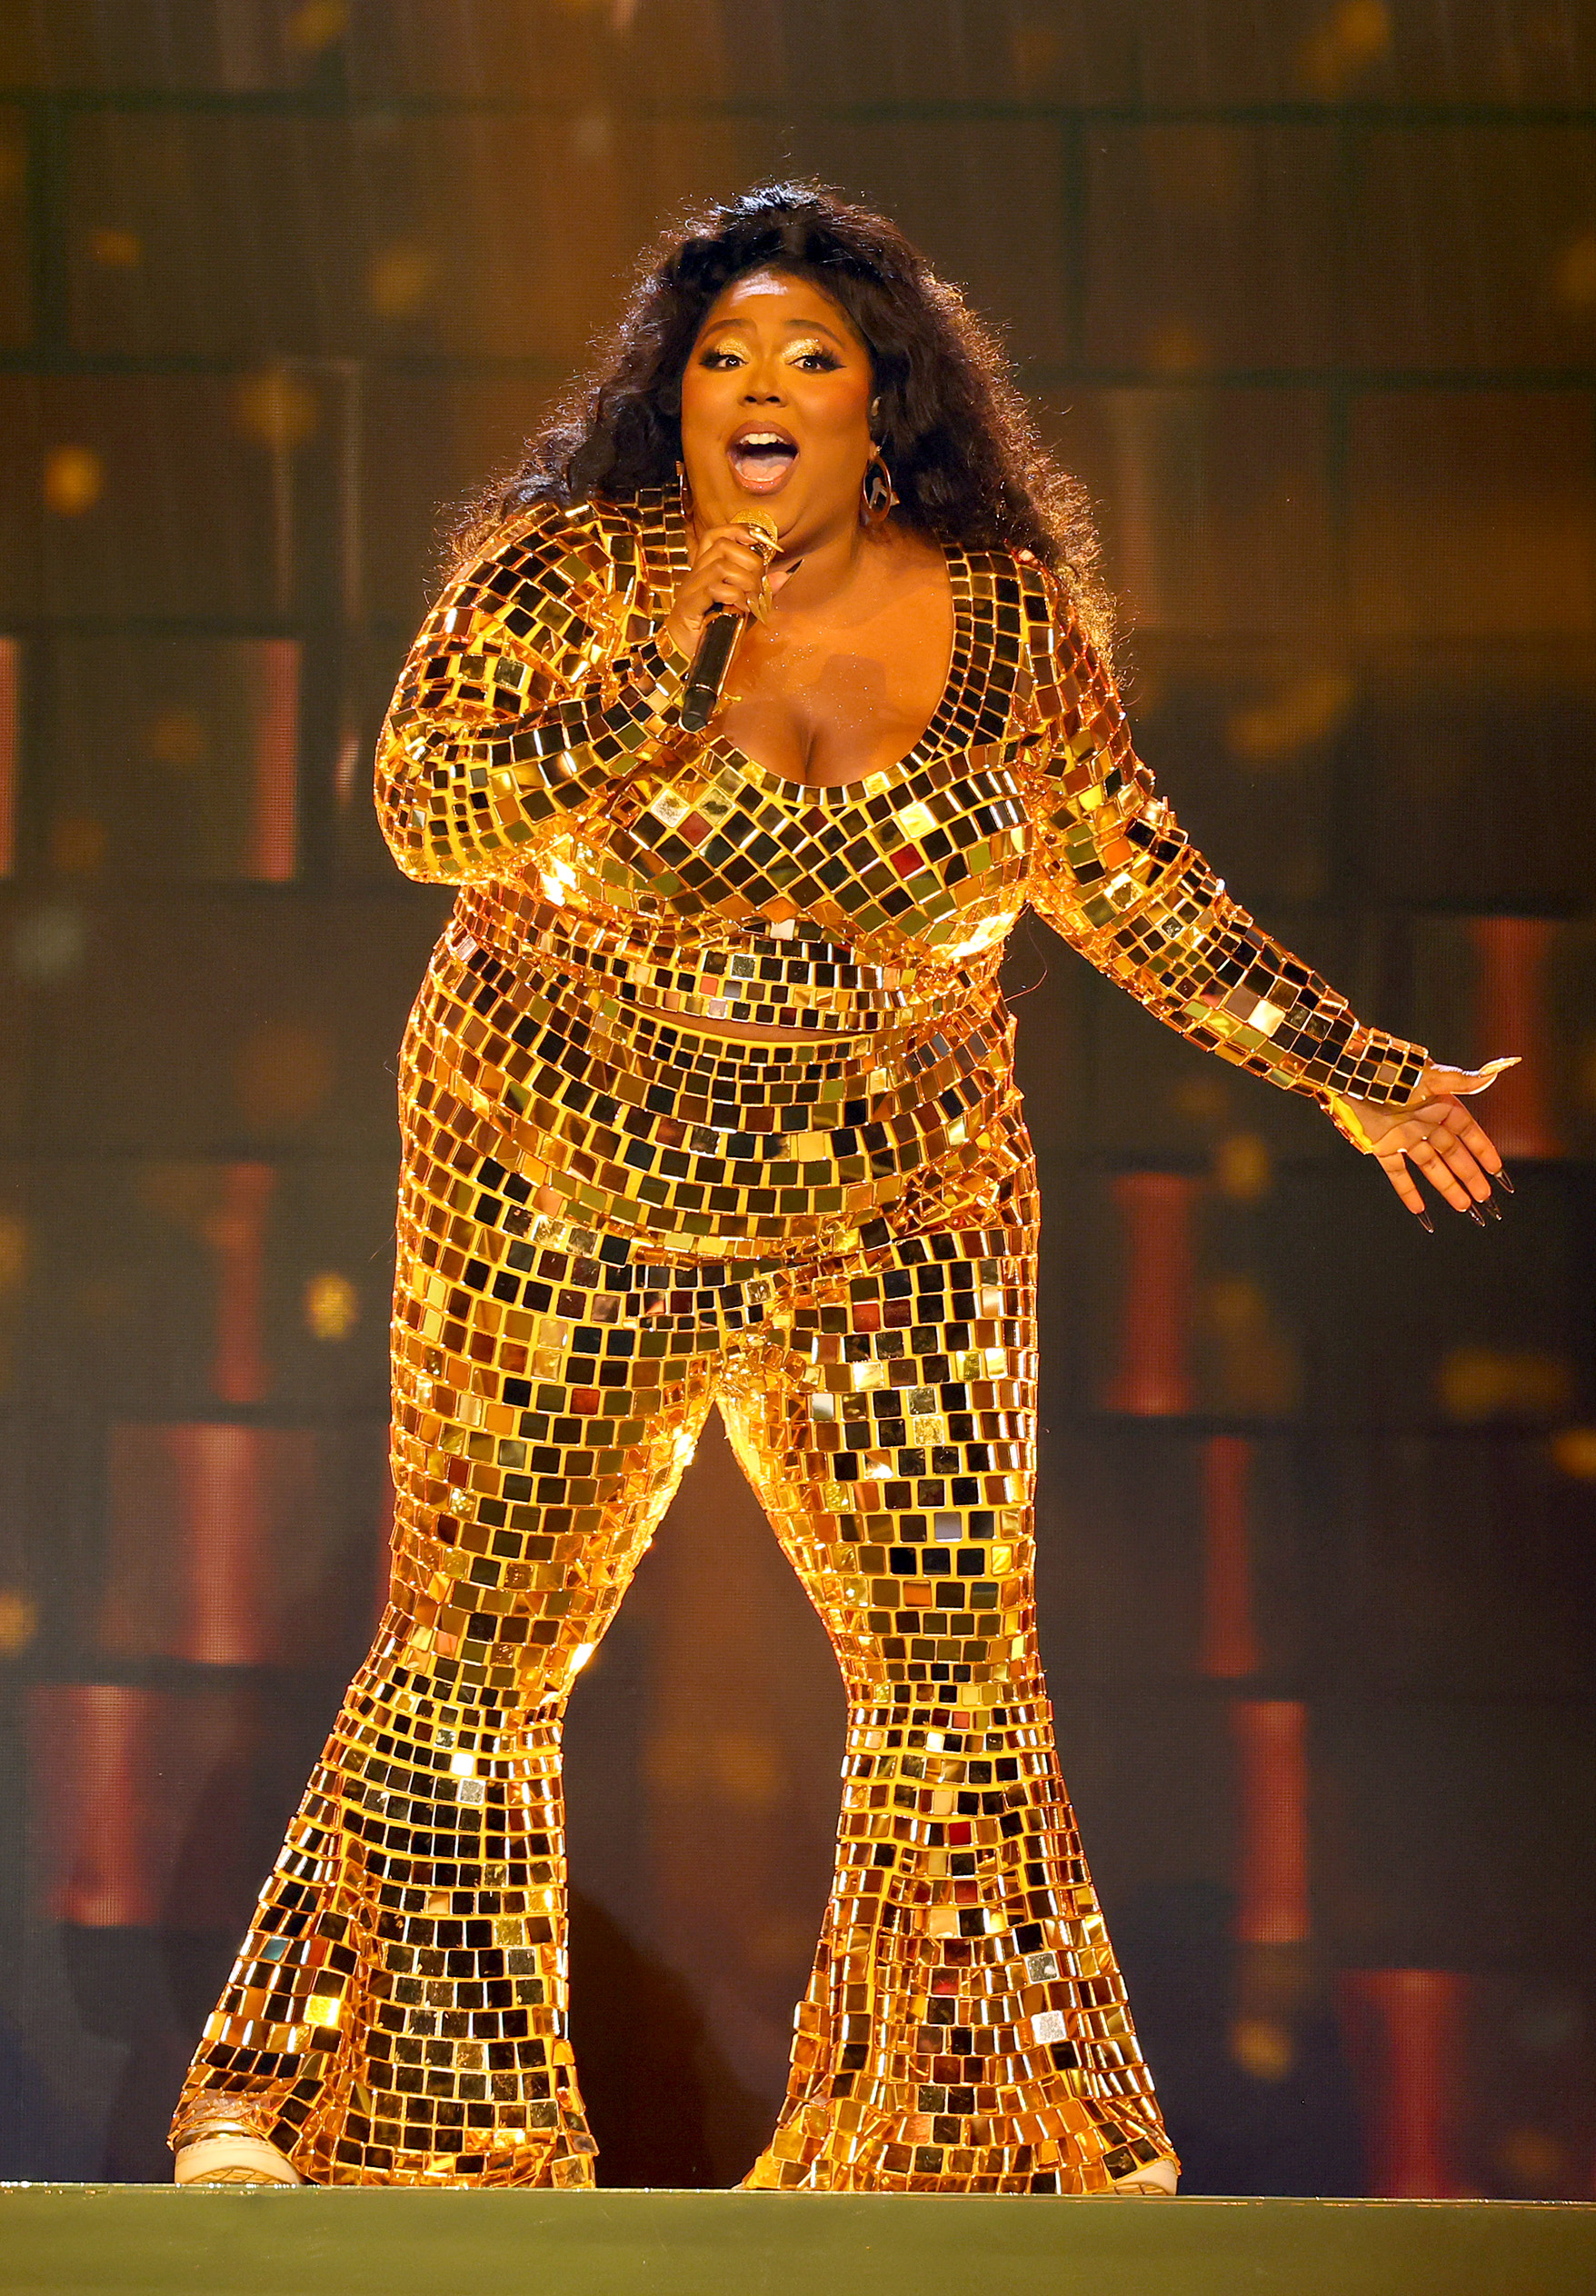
(708, 1098)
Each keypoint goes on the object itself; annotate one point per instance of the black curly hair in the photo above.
(960, 442)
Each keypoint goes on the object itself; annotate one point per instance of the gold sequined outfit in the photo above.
(612, 1215)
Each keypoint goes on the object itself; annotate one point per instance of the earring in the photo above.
(684, 495)
(879, 495)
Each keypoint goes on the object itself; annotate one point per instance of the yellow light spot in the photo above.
(332, 1305)
(324, 2009)
(398, 281)
(177, 737)
(1263, 2047)
(1351, 37)
(315, 25)
(1242, 1167)
(77, 845)
(1362, 27)
(1485, 1382)
(276, 409)
(19, 1621)
(1573, 1452)
(115, 249)
(74, 479)
(584, 1651)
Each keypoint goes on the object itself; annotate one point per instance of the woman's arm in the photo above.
(531, 685)
(1116, 874)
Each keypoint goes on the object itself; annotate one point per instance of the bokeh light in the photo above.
(1478, 1384)
(19, 1622)
(276, 408)
(74, 480)
(331, 1307)
(115, 248)
(315, 25)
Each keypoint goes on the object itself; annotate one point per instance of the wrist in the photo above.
(675, 644)
(1348, 1117)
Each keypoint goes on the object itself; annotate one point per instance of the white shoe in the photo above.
(1156, 2181)
(233, 2160)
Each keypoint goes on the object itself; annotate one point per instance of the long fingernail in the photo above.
(1491, 1208)
(1476, 1215)
(1502, 1180)
(1425, 1221)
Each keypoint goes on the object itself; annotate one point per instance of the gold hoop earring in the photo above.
(879, 496)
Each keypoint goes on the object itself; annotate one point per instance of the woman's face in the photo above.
(775, 407)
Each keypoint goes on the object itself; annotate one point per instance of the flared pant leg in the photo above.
(965, 2026)
(397, 2013)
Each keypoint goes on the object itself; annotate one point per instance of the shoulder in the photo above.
(556, 548)
(1036, 627)
(1017, 580)
(553, 581)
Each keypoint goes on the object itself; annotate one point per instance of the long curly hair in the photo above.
(963, 451)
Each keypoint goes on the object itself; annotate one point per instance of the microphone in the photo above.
(718, 640)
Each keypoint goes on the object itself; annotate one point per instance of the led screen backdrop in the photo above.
(1308, 293)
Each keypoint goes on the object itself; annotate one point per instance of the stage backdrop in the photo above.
(1308, 292)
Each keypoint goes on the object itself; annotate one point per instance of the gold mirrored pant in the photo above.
(398, 2013)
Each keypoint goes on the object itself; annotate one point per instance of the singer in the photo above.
(708, 1098)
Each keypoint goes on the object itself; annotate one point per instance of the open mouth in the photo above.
(760, 458)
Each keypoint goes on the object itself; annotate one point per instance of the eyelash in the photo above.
(824, 362)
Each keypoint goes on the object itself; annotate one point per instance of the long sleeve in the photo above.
(535, 681)
(1116, 875)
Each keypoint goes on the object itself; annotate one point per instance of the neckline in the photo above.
(670, 539)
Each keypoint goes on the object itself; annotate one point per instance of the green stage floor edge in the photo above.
(153, 2241)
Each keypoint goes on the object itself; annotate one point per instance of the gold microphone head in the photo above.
(763, 533)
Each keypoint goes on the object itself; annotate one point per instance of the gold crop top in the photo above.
(532, 755)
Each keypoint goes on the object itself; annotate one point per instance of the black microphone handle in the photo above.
(717, 642)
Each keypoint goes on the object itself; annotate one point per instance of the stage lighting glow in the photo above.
(73, 481)
(115, 249)
(332, 1305)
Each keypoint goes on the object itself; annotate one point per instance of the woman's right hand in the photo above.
(726, 570)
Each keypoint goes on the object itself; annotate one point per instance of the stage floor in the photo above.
(153, 2241)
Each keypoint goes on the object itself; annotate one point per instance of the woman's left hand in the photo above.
(1435, 1135)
